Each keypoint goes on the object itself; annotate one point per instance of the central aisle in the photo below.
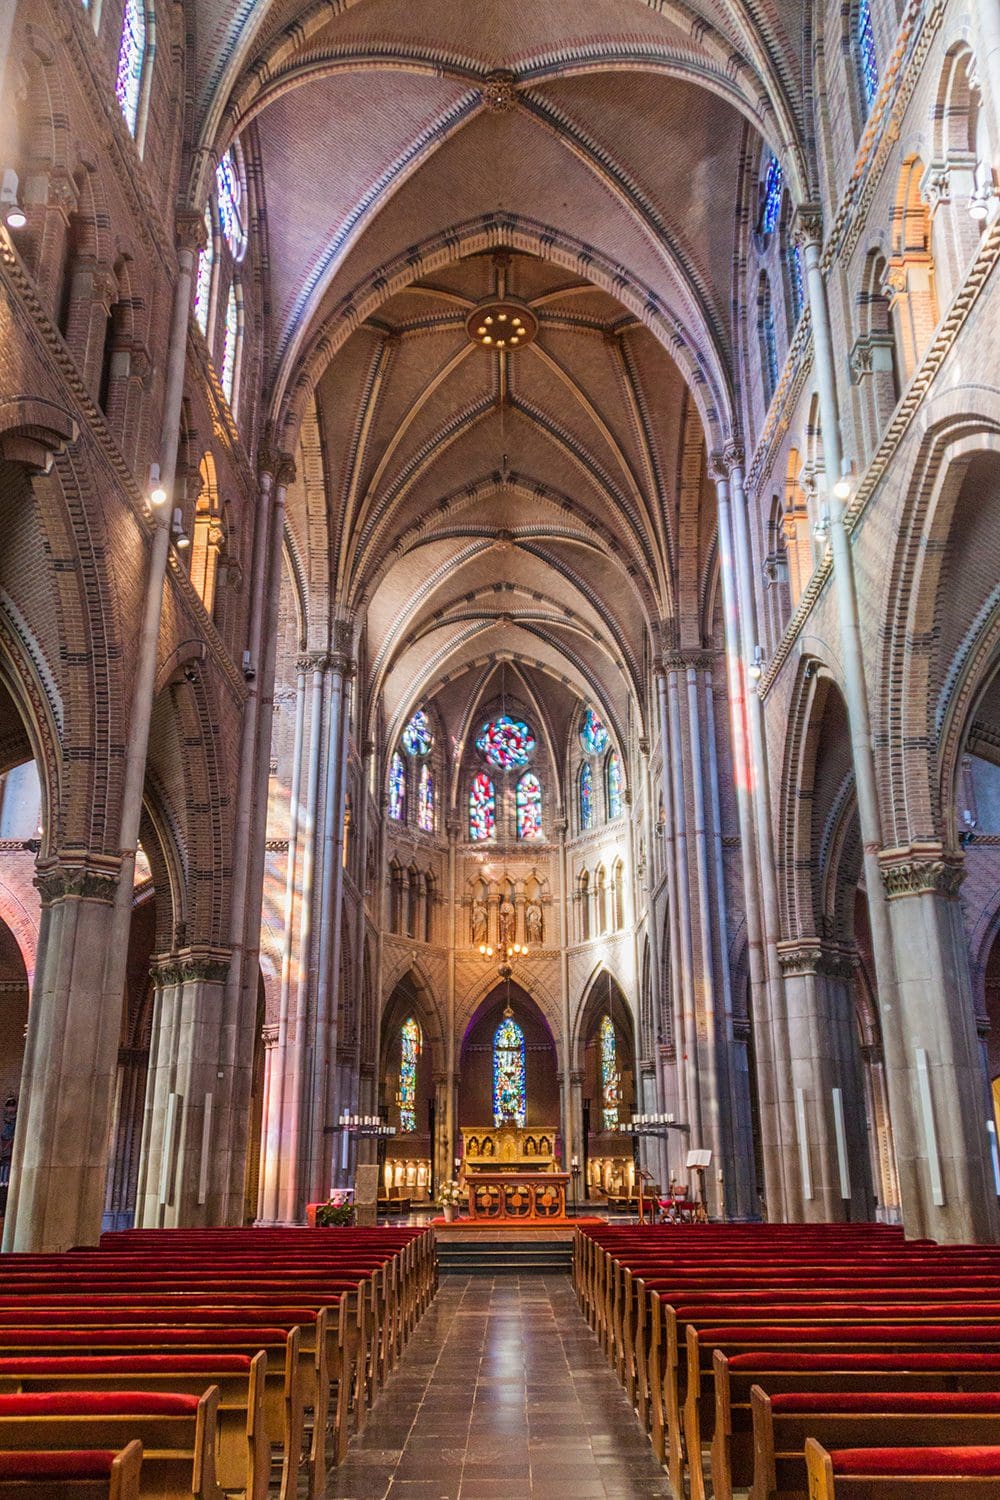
(502, 1394)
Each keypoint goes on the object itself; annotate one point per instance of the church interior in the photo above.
(499, 739)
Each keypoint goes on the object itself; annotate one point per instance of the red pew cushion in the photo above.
(833, 1333)
(915, 1361)
(127, 1364)
(940, 1461)
(98, 1403)
(71, 1464)
(920, 1402)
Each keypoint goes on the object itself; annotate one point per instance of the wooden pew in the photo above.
(950, 1473)
(819, 1338)
(243, 1450)
(867, 1419)
(72, 1475)
(177, 1433)
(780, 1372)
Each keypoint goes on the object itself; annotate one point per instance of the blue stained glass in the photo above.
(232, 332)
(610, 1082)
(397, 788)
(528, 805)
(614, 785)
(867, 58)
(425, 800)
(594, 734)
(229, 191)
(774, 182)
(586, 796)
(418, 737)
(482, 808)
(206, 260)
(795, 276)
(506, 742)
(131, 60)
(408, 1076)
(508, 1073)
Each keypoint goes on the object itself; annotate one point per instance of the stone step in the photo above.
(504, 1257)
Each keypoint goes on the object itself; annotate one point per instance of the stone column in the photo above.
(680, 1088)
(191, 1093)
(776, 1098)
(829, 1148)
(456, 915)
(293, 1129)
(575, 1144)
(274, 1092)
(442, 1157)
(945, 1170)
(59, 1169)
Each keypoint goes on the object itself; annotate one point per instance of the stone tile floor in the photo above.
(502, 1394)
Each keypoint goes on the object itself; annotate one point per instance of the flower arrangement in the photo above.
(336, 1213)
(450, 1194)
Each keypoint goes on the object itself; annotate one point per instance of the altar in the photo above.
(511, 1195)
(509, 1148)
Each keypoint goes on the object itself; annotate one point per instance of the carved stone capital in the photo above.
(498, 91)
(190, 230)
(734, 456)
(810, 955)
(741, 1028)
(190, 966)
(312, 661)
(921, 871)
(807, 225)
(78, 881)
(269, 1036)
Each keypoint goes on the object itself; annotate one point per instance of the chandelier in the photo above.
(501, 323)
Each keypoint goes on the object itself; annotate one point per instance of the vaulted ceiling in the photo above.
(548, 506)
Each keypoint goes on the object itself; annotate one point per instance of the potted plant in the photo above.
(449, 1196)
(336, 1213)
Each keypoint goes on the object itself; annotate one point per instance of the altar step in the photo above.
(504, 1257)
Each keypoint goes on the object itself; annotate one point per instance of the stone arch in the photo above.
(961, 429)
(874, 365)
(909, 277)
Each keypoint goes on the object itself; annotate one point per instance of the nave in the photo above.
(502, 1393)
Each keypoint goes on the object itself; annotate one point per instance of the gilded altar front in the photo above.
(517, 1195)
(509, 1148)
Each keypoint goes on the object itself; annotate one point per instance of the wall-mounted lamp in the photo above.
(157, 493)
(756, 668)
(14, 215)
(844, 486)
(822, 528)
(180, 536)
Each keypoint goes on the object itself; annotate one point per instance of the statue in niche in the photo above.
(479, 922)
(533, 922)
(506, 920)
(8, 1126)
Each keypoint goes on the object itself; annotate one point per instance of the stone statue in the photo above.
(506, 920)
(533, 922)
(479, 919)
(7, 1127)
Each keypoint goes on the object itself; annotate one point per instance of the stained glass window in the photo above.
(795, 278)
(408, 1076)
(508, 1072)
(774, 182)
(610, 1082)
(229, 192)
(229, 344)
(528, 805)
(586, 796)
(768, 342)
(614, 774)
(206, 261)
(506, 742)
(867, 58)
(594, 734)
(482, 808)
(397, 788)
(425, 799)
(418, 737)
(131, 59)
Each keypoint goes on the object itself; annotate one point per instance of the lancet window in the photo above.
(614, 785)
(509, 1097)
(408, 1076)
(131, 61)
(425, 799)
(585, 794)
(610, 1088)
(528, 806)
(864, 41)
(482, 808)
(230, 344)
(206, 266)
(397, 788)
